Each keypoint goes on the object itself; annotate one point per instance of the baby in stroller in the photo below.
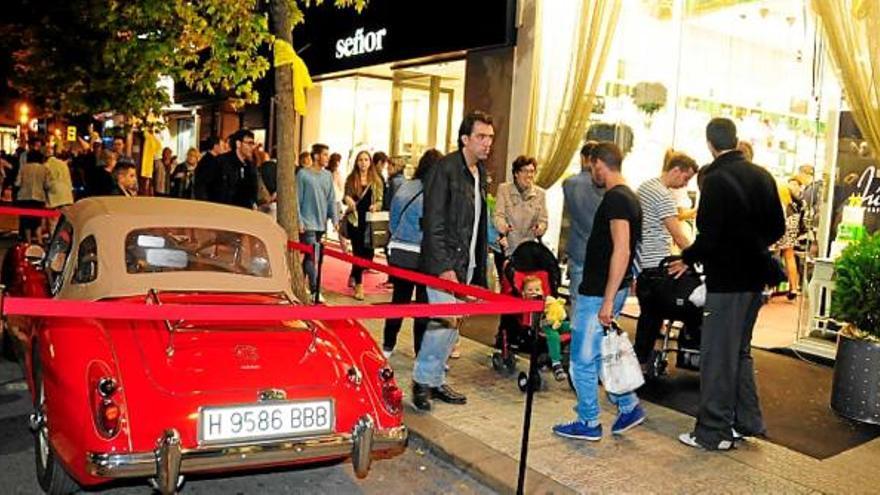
(554, 324)
(532, 271)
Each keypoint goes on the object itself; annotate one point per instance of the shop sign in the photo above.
(858, 173)
(360, 43)
(388, 31)
(868, 187)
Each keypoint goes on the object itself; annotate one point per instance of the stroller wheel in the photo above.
(657, 364)
(497, 362)
(523, 378)
(510, 364)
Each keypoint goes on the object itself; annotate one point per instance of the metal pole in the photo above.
(530, 396)
(319, 263)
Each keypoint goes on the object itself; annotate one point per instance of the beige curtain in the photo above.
(557, 125)
(852, 31)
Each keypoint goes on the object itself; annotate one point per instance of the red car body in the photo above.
(125, 398)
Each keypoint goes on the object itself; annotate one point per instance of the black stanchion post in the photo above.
(530, 397)
(318, 259)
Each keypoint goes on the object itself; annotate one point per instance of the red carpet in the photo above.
(334, 278)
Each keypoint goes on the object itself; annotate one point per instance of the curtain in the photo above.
(563, 91)
(852, 30)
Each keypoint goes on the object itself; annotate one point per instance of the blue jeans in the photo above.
(311, 237)
(586, 359)
(430, 365)
(575, 276)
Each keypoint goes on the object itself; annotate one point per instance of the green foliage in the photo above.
(82, 56)
(87, 56)
(856, 297)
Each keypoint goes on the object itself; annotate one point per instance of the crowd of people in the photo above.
(443, 222)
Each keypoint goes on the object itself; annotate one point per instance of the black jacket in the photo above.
(738, 219)
(448, 220)
(206, 171)
(228, 180)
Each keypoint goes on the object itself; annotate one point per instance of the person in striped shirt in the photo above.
(660, 227)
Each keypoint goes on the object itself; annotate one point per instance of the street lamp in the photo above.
(24, 114)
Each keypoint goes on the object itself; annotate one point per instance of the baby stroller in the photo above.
(677, 300)
(535, 260)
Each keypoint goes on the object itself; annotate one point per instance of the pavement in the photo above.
(483, 438)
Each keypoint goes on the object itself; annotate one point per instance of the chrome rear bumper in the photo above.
(170, 460)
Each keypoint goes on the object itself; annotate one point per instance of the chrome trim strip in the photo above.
(217, 457)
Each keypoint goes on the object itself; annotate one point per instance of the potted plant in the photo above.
(855, 389)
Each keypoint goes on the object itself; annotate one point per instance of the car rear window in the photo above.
(186, 249)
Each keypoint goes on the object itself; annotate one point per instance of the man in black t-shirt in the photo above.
(608, 263)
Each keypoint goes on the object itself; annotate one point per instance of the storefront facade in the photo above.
(673, 65)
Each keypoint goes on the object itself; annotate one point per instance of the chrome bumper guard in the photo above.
(169, 461)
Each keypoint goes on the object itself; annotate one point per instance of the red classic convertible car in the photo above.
(162, 399)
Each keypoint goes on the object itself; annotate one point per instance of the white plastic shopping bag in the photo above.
(621, 372)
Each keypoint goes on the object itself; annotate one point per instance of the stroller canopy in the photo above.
(533, 256)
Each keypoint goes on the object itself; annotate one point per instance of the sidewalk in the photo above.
(648, 459)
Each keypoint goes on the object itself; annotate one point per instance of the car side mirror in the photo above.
(34, 254)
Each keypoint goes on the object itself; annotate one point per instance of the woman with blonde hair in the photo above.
(364, 189)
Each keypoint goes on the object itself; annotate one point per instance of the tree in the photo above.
(285, 13)
(83, 56)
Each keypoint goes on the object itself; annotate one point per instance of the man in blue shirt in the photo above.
(582, 198)
(317, 204)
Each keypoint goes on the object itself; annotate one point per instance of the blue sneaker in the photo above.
(579, 431)
(628, 420)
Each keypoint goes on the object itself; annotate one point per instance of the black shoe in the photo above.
(421, 396)
(447, 395)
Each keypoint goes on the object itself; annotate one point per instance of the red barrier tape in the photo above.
(420, 278)
(495, 303)
(28, 212)
(249, 312)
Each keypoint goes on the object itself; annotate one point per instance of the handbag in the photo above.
(376, 233)
(620, 369)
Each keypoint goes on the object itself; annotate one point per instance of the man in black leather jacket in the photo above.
(454, 247)
(233, 179)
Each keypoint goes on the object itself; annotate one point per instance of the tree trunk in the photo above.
(286, 153)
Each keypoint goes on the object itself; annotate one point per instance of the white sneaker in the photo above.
(736, 435)
(387, 354)
(690, 440)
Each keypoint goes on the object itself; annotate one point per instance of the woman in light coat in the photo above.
(520, 207)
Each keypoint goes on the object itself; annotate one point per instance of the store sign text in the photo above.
(870, 193)
(360, 43)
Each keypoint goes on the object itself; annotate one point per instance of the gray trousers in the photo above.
(728, 396)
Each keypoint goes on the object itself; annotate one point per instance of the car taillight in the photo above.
(107, 410)
(392, 395)
(393, 398)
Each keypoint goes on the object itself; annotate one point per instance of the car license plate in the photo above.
(265, 421)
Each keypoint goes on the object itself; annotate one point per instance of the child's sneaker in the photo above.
(628, 420)
(559, 372)
(579, 430)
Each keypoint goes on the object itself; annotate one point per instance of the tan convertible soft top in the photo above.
(110, 219)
